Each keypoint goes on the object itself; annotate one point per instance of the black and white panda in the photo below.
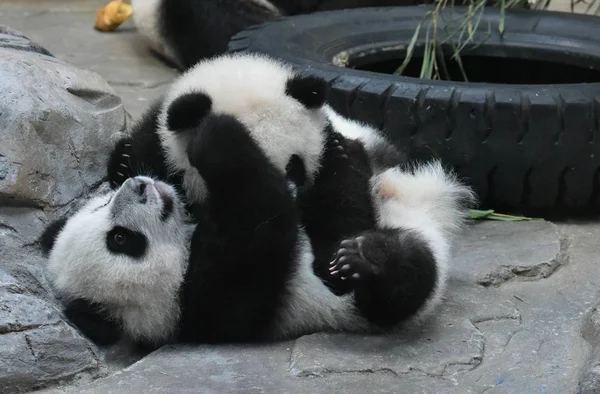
(244, 268)
(184, 32)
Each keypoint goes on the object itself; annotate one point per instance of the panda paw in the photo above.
(347, 154)
(350, 263)
(338, 149)
(120, 163)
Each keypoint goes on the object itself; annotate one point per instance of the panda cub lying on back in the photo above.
(234, 256)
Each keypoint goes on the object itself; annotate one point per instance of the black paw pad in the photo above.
(339, 149)
(349, 263)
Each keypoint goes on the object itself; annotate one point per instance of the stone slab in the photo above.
(523, 335)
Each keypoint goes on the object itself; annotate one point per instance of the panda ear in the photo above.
(308, 90)
(187, 111)
(50, 233)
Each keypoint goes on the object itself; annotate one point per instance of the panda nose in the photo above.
(139, 186)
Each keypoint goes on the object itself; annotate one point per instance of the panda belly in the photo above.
(309, 306)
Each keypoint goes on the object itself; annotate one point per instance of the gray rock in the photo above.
(36, 346)
(55, 126)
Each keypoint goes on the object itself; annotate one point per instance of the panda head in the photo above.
(283, 111)
(126, 251)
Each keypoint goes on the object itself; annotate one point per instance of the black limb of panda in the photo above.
(145, 287)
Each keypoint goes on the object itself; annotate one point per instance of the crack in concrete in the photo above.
(509, 273)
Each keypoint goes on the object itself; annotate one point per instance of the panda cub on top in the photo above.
(203, 239)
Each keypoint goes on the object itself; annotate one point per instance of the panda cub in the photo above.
(242, 266)
(183, 32)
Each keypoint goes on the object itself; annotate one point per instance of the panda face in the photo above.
(282, 111)
(127, 251)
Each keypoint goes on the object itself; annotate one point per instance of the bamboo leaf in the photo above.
(426, 58)
(410, 49)
(502, 16)
(477, 214)
(491, 215)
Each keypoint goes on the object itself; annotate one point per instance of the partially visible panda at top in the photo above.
(244, 268)
(187, 31)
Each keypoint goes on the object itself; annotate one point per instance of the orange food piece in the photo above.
(109, 17)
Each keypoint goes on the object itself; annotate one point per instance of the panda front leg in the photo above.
(245, 240)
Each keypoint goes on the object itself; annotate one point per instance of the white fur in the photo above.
(309, 306)
(354, 129)
(252, 89)
(429, 200)
(142, 295)
(146, 16)
(425, 198)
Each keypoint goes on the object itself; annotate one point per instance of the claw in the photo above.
(334, 272)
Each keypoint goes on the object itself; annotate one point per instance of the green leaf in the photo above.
(491, 215)
(410, 49)
(478, 214)
(501, 24)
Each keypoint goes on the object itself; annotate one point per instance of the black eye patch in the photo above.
(121, 240)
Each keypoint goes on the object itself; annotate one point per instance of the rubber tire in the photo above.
(525, 148)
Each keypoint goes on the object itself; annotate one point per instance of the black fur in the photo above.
(339, 203)
(308, 90)
(244, 248)
(50, 233)
(201, 29)
(395, 269)
(121, 240)
(187, 111)
(391, 272)
(92, 322)
(141, 153)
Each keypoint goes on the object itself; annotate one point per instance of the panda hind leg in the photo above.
(392, 272)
